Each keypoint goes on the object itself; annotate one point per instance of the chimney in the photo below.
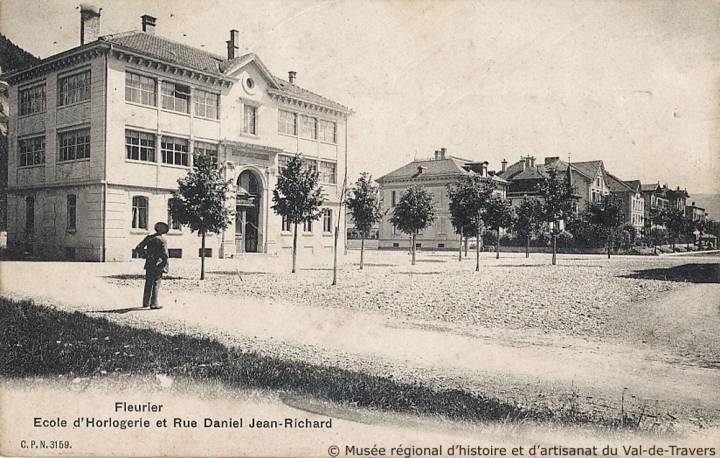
(148, 24)
(89, 23)
(443, 150)
(233, 44)
(531, 161)
(292, 74)
(437, 154)
(503, 164)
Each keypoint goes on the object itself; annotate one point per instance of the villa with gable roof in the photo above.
(99, 135)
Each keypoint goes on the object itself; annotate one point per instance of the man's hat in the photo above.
(161, 228)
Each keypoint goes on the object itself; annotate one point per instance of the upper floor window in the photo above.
(140, 89)
(250, 120)
(74, 144)
(176, 97)
(328, 172)
(206, 104)
(139, 212)
(287, 122)
(327, 220)
(206, 149)
(74, 88)
(174, 150)
(327, 131)
(31, 151)
(31, 100)
(71, 207)
(139, 146)
(308, 127)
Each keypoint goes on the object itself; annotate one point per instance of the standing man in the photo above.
(156, 263)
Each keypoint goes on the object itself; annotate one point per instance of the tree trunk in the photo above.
(412, 249)
(294, 247)
(460, 248)
(335, 241)
(202, 256)
(466, 246)
(362, 250)
(554, 247)
(497, 245)
(527, 246)
(609, 247)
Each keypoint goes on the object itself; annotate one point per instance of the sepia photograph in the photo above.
(359, 228)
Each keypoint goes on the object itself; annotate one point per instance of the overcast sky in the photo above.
(634, 83)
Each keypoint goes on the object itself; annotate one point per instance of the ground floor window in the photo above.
(307, 225)
(29, 215)
(71, 205)
(327, 220)
(172, 222)
(139, 212)
(285, 224)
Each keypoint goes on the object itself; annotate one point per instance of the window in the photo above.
(206, 149)
(208, 252)
(174, 151)
(327, 220)
(29, 215)
(393, 198)
(140, 146)
(172, 222)
(307, 225)
(140, 89)
(31, 100)
(328, 172)
(206, 104)
(74, 144)
(174, 252)
(327, 131)
(249, 126)
(308, 127)
(139, 212)
(285, 225)
(71, 212)
(175, 97)
(74, 88)
(310, 164)
(283, 161)
(31, 151)
(287, 122)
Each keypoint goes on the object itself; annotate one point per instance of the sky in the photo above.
(633, 83)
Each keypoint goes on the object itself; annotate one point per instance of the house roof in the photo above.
(588, 168)
(173, 52)
(168, 50)
(617, 185)
(634, 185)
(448, 167)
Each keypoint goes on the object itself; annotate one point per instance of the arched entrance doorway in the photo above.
(248, 218)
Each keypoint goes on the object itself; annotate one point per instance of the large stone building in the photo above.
(633, 204)
(100, 134)
(434, 175)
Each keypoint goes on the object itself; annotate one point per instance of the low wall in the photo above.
(354, 244)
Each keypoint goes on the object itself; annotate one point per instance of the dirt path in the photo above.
(514, 357)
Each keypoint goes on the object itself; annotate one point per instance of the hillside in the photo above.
(12, 57)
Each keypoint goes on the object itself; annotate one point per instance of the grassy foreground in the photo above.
(41, 341)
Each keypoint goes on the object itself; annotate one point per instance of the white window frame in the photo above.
(170, 96)
(69, 146)
(323, 124)
(327, 221)
(302, 119)
(284, 116)
(147, 149)
(137, 89)
(135, 219)
(174, 155)
(206, 104)
(247, 128)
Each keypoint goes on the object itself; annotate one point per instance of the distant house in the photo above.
(695, 213)
(525, 176)
(434, 175)
(662, 197)
(633, 203)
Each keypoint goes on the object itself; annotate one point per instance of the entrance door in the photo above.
(248, 230)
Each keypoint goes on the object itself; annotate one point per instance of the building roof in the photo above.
(588, 168)
(162, 48)
(617, 185)
(434, 168)
(173, 52)
(634, 184)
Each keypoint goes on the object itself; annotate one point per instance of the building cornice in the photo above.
(65, 59)
(135, 58)
(302, 103)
